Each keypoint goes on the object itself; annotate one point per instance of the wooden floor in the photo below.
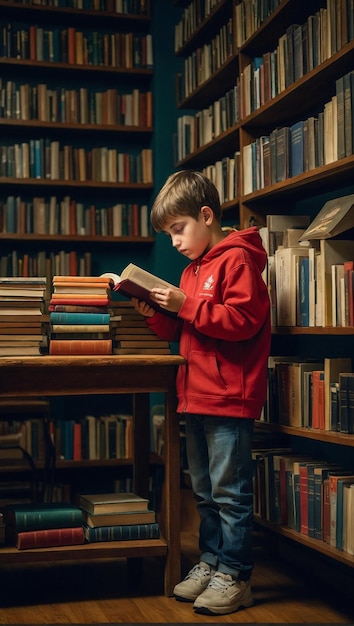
(97, 593)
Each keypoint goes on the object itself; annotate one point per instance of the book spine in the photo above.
(80, 328)
(122, 533)
(80, 346)
(43, 520)
(79, 318)
(50, 538)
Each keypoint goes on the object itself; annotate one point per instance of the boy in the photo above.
(223, 327)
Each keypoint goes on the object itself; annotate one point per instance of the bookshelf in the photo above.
(76, 121)
(134, 375)
(275, 75)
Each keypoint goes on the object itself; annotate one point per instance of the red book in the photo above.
(49, 538)
(87, 300)
(304, 503)
(77, 442)
(80, 346)
(71, 45)
(318, 411)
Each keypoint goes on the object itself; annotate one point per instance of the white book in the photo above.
(247, 169)
(286, 260)
(337, 275)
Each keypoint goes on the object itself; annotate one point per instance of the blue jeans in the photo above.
(220, 464)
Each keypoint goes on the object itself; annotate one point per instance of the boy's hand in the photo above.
(143, 308)
(169, 299)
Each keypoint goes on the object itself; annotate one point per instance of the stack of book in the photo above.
(117, 517)
(130, 333)
(43, 525)
(22, 319)
(79, 316)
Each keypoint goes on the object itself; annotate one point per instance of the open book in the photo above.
(134, 282)
(335, 217)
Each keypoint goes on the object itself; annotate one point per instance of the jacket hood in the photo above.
(249, 239)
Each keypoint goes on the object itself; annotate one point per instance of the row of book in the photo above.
(78, 332)
(41, 102)
(138, 7)
(131, 335)
(32, 264)
(91, 437)
(300, 49)
(225, 176)
(289, 151)
(310, 271)
(195, 131)
(195, 13)
(96, 517)
(118, 50)
(52, 160)
(307, 495)
(51, 216)
(311, 394)
(22, 326)
(204, 62)
(249, 15)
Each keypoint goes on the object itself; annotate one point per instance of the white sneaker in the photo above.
(196, 581)
(223, 595)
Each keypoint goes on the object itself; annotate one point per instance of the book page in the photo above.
(143, 278)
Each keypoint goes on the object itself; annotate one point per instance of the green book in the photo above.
(42, 516)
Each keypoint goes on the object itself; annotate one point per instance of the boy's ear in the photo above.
(207, 214)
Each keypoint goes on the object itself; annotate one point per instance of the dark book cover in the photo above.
(122, 533)
(42, 516)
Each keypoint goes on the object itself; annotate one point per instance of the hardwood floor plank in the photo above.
(99, 593)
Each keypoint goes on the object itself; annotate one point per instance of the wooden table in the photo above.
(133, 374)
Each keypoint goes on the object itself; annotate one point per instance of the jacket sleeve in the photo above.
(238, 312)
(165, 327)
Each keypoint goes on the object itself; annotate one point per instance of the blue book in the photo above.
(122, 533)
(296, 148)
(79, 318)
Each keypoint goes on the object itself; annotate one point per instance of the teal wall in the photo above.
(159, 257)
(167, 263)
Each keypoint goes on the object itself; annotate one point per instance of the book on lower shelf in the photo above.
(103, 503)
(42, 516)
(122, 533)
(49, 538)
(119, 519)
(43, 525)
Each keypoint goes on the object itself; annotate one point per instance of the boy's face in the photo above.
(189, 236)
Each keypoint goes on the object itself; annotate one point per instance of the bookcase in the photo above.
(77, 125)
(285, 64)
(137, 376)
(76, 118)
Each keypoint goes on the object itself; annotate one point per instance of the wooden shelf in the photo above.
(328, 436)
(305, 540)
(303, 98)
(86, 552)
(97, 239)
(133, 374)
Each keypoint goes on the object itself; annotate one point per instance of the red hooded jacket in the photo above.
(223, 329)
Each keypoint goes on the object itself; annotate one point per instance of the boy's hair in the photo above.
(184, 193)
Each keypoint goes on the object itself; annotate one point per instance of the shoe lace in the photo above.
(197, 571)
(218, 583)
